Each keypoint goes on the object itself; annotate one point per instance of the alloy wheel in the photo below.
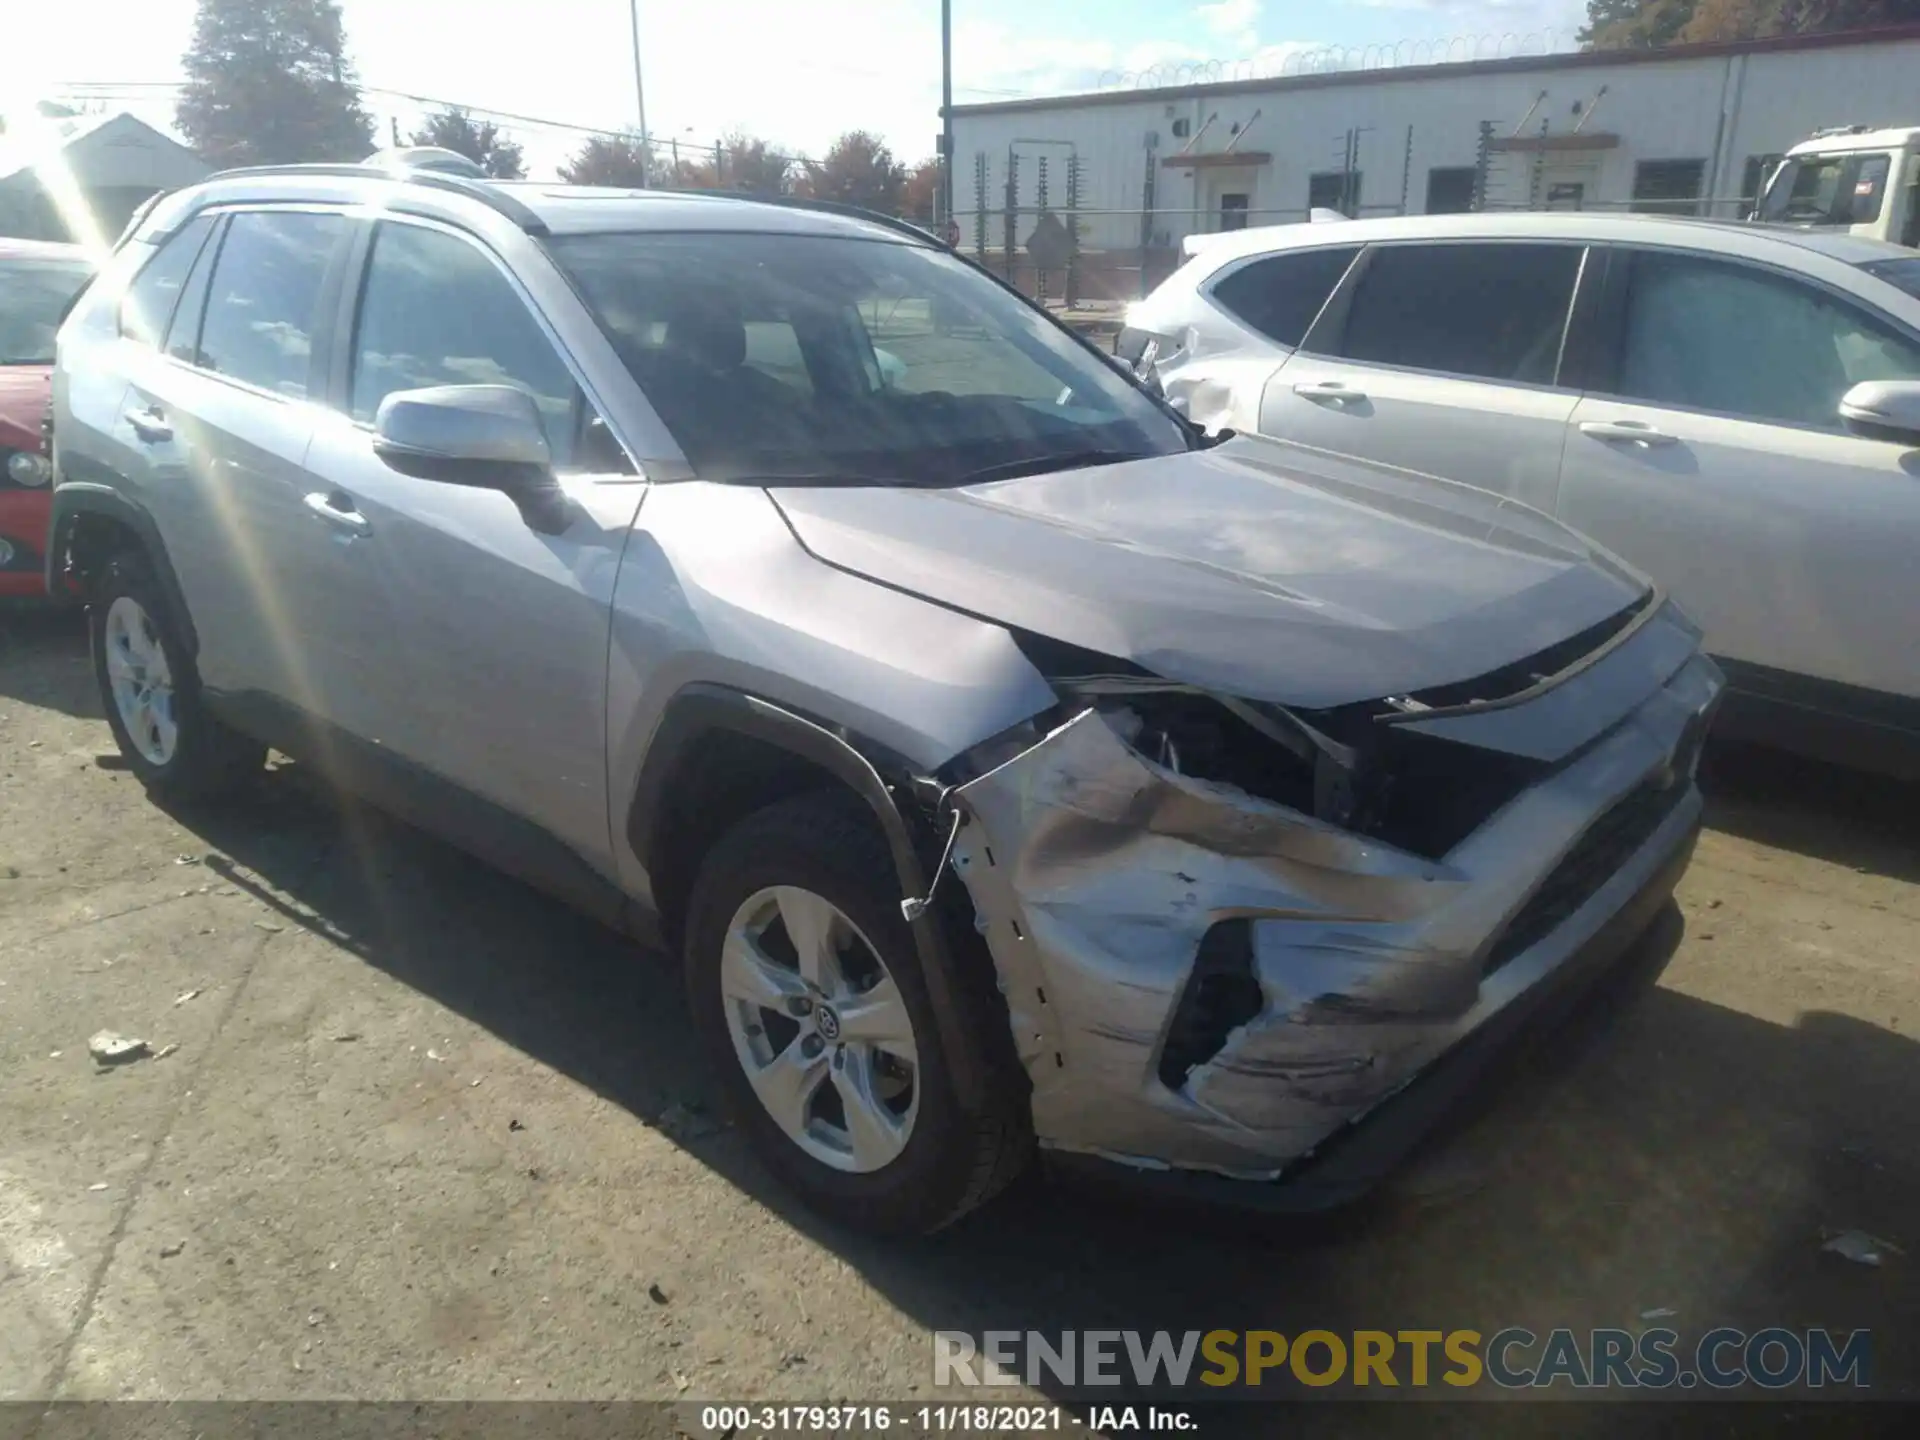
(820, 1029)
(141, 680)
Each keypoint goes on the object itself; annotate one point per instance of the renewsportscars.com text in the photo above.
(1515, 1358)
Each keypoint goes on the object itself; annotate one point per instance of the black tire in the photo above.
(208, 758)
(954, 1160)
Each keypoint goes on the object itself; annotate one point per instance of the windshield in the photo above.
(831, 360)
(1844, 189)
(33, 297)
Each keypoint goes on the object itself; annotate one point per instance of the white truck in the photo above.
(1865, 181)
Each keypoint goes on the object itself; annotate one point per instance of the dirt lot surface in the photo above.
(420, 1133)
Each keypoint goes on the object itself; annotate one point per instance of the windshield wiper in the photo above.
(1047, 464)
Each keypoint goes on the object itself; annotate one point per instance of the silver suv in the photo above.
(1008, 762)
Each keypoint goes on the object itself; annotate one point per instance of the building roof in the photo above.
(83, 134)
(1571, 60)
(52, 251)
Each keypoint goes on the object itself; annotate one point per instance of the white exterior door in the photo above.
(1716, 462)
(1442, 358)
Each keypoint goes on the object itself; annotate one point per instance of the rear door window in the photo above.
(1280, 295)
(148, 304)
(1491, 311)
(264, 302)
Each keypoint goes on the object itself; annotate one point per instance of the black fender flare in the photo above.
(74, 498)
(700, 708)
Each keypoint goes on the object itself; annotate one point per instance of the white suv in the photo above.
(1733, 409)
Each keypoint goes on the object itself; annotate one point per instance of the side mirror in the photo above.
(485, 436)
(1884, 410)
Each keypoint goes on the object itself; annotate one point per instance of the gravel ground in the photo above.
(428, 1135)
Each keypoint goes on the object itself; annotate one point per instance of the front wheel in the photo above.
(806, 987)
(150, 690)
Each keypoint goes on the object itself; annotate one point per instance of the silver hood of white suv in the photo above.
(1255, 568)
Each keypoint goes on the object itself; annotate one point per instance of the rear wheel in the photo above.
(806, 986)
(150, 691)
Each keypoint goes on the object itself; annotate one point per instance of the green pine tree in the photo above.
(269, 83)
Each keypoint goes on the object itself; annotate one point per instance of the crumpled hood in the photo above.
(23, 404)
(1258, 568)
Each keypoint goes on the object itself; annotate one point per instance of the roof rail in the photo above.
(474, 189)
(827, 207)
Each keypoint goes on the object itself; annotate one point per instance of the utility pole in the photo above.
(640, 98)
(946, 109)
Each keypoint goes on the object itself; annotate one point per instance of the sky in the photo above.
(794, 72)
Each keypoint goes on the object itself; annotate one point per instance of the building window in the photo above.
(1450, 190)
(1567, 195)
(1668, 187)
(1233, 211)
(1759, 167)
(1182, 128)
(1335, 190)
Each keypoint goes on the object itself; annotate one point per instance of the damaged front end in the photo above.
(1228, 929)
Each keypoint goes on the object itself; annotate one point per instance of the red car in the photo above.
(37, 280)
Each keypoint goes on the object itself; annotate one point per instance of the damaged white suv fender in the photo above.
(1005, 761)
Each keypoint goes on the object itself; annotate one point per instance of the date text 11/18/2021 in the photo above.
(771, 1419)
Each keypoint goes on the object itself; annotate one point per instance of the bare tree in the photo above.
(617, 160)
(481, 141)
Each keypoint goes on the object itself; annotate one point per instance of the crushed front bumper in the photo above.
(1096, 877)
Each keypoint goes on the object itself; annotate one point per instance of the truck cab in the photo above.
(1865, 181)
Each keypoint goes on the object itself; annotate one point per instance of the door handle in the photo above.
(150, 425)
(1328, 390)
(337, 510)
(1628, 430)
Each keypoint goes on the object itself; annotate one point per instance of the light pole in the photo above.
(640, 98)
(946, 110)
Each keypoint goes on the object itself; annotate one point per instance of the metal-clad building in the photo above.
(80, 178)
(1687, 130)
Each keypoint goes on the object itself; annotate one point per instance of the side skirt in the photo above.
(422, 799)
(1842, 724)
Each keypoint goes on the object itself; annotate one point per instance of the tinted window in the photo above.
(1668, 187)
(183, 335)
(1492, 311)
(1450, 190)
(1709, 336)
(265, 296)
(33, 300)
(149, 301)
(1280, 295)
(1335, 190)
(437, 311)
(824, 358)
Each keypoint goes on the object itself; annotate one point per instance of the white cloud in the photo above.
(1229, 17)
(1232, 22)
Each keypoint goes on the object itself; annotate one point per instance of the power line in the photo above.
(134, 89)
